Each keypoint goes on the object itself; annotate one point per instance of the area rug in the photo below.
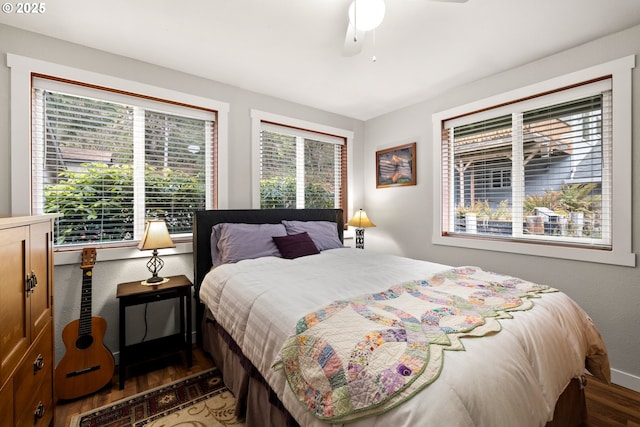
(198, 400)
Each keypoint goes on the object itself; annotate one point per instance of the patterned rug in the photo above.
(201, 399)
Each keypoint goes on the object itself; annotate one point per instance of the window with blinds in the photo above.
(301, 169)
(108, 161)
(532, 170)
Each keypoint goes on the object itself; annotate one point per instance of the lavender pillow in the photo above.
(323, 233)
(295, 245)
(231, 242)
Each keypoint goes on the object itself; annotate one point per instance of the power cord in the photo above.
(145, 322)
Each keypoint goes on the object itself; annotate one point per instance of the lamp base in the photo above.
(154, 265)
(359, 238)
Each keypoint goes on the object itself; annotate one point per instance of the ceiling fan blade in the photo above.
(353, 41)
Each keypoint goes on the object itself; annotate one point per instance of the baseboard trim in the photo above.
(625, 380)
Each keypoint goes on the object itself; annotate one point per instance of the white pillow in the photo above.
(231, 242)
(323, 233)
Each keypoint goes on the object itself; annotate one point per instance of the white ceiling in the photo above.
(292, 49)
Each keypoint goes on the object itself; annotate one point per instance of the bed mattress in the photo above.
(513, 377)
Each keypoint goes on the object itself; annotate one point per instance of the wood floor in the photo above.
(608, 405)
(154, 375)
(611, 405)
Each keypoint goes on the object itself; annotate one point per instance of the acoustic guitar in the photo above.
(87, 365)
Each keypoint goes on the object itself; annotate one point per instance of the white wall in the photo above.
(107, 274)
(403, 215)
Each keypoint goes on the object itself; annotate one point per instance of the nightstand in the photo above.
(133, 293)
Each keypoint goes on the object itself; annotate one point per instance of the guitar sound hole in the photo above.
(83, 342)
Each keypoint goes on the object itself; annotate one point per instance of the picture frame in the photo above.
(396, 166)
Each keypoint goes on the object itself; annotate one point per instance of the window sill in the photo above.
(627, 259)
(65, 257)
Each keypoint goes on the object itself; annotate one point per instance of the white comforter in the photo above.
(512, 378)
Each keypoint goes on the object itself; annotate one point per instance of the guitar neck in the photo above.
(85, 303)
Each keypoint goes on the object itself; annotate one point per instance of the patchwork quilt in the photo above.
(362, 356)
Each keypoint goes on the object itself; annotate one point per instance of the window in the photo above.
(107, 161)
(501, 178)
(534, 174)
(559, 156)
(301, 165)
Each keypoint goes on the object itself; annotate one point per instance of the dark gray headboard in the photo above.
(203, 221)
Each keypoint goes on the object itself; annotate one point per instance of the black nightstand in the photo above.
(133, 293)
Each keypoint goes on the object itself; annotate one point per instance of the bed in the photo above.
(286, 328)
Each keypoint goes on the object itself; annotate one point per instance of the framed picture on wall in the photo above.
(396, 166)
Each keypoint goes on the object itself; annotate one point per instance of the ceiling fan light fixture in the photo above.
(366, 14)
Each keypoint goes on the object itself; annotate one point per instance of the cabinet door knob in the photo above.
(39, 412)
(38, 363)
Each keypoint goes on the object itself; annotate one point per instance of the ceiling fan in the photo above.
(366, 15)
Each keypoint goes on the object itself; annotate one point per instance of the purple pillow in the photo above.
(295, 245)
(323, 233)
(231, 242)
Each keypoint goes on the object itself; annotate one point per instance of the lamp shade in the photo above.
(156, 236)
(366, 15)
(360, 220)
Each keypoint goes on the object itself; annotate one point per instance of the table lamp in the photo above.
(360, 221)
(156, 236)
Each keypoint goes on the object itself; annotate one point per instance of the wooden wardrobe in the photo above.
(26, 321)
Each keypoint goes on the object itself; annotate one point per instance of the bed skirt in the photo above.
(258, 405)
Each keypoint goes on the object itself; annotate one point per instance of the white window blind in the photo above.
(301, 168)
(108, 161)
(532, 170)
